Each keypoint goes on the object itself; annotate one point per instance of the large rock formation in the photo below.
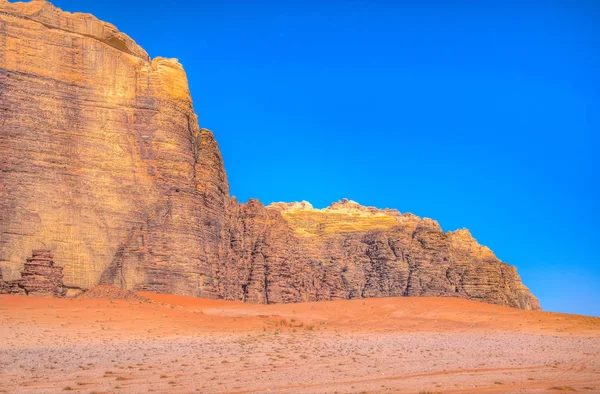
(293, 252)
(103, 162)
(101, 157)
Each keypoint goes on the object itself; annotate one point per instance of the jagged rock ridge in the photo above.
(102, 161)
(292, 252)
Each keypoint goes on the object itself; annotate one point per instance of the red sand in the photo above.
(182, 344)
(111, 293)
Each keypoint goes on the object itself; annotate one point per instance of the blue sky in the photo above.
(478, 114)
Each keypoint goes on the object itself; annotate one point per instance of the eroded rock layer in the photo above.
(102, 161)
(292, 252)
(40, 277)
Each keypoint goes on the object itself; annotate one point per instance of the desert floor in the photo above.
(181, 344)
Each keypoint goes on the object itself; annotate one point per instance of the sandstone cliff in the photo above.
(101, 157)
(102, 161)
(293, 252)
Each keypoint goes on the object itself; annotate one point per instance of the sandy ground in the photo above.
(182, 344)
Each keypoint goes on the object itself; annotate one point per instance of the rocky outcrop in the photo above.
(40, 277)
(102, 161)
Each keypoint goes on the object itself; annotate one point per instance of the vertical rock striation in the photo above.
(349, 251)
(41, 277)
(102, 161)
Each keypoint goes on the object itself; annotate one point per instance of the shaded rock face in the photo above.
(102, 161)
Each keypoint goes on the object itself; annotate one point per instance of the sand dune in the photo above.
(181, 344)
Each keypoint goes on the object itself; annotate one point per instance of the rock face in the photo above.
(101, 157)
(293, 252)
(102, 161)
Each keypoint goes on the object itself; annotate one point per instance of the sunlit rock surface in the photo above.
(101, 157)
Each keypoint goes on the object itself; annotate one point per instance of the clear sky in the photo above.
(479, 114)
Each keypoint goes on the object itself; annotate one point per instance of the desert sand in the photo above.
(180, 344)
